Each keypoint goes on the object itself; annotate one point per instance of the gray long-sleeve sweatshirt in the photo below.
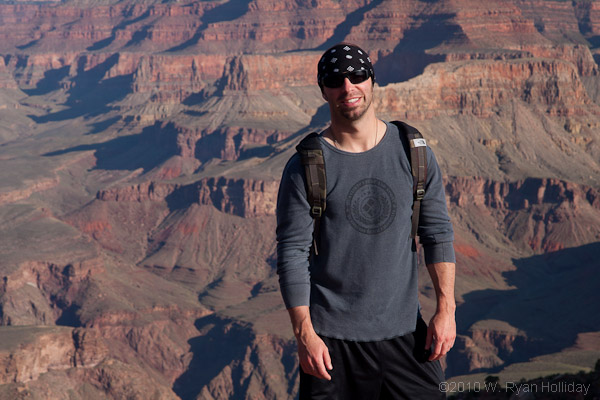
(363, 284)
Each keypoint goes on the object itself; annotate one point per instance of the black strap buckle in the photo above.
(316, 211)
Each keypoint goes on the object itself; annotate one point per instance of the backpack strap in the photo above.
(418, 166)
(311, 155)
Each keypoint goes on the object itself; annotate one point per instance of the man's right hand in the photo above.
(312, 351)
(314, 356)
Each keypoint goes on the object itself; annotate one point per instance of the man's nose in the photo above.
(347, 84)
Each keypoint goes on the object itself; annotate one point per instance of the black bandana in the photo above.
(342, 58)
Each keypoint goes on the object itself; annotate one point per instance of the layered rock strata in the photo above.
(243, 197)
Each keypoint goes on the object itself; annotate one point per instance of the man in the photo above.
(354, 304)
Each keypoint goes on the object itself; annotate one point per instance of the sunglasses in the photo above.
(337, 80)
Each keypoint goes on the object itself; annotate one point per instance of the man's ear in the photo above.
(323, 94)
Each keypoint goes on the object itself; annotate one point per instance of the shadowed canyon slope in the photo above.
(141, 145)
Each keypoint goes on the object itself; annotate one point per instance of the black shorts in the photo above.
(391, 369)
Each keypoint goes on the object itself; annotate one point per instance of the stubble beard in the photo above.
(356, 114)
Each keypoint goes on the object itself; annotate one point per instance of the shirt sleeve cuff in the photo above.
(296, 295)
(439, 252)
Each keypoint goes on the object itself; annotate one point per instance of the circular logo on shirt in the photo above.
(370, 206)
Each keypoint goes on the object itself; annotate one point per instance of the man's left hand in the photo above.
(441, 332)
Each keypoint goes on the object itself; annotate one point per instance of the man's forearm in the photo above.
(443, 276)
(441, 331)
(301, 322)
(313, 354)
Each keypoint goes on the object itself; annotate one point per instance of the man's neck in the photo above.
(356, 136)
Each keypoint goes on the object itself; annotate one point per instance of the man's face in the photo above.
(351, 100)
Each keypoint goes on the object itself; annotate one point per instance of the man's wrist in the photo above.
(301, 322)
(304, 331)
(446, 306)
